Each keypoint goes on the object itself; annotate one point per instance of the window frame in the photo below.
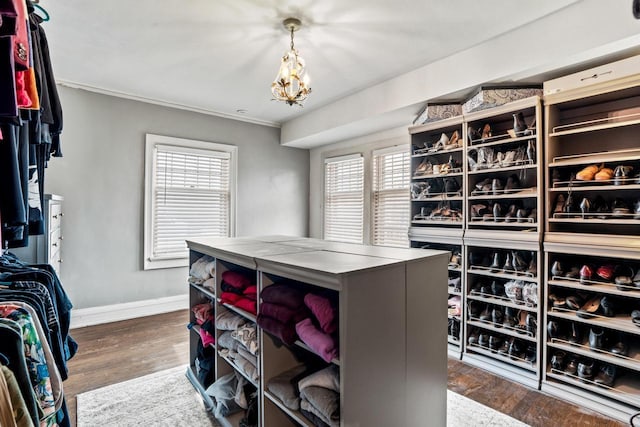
(151, 142)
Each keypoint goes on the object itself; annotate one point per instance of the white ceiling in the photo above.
(221, 55)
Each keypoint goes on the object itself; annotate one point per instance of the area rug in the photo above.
(167, 398)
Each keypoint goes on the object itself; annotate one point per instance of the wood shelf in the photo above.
(502, 301)
(431, 176)
(503, 169)
(525, 193)
(597, 287)
(209, 293)
(296, 415)
(605, 186)
(499, 140)
(484, 271)
(592, 126)
(619, 323)
(306, 347)
(238, 370)
(625, 388)
(631, 361)
(439, 198)
(238, 310)
(435, 153)
(487, 352)
(596, 158)
(503, 330)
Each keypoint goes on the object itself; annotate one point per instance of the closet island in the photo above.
(375, 319)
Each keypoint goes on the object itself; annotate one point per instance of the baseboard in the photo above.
(130, 310)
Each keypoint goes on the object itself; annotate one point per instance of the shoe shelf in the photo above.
(517, 361)
(594, 286)
(593, 161)
(503, 301)
(500, 329)
(622, 323)
(504, 174)
(625, 388)
(504, 274)
(437, 183)
(630, 361)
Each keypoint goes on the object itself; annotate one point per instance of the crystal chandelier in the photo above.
(292, 83)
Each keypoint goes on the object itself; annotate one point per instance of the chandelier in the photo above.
(292, 83)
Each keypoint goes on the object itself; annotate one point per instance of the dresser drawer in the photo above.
(55, 216)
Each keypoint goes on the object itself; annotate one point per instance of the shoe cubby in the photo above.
(593, 162)
(455, 284)
(503, 295)
(592, 326)
(437, 175)
(504, 179)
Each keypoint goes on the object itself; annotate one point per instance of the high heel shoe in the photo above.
(473, 135)
(556, 269)
(519, 264)
(559, 208)
(519, 125)
(569, 205)
(440, 144)
(512, 185)
(508, 264)
(486, 131)
(531, 151)
(532, 269)
(497, 212)
(496, 265)
(453, 141)
(585, 207)
(511, 214)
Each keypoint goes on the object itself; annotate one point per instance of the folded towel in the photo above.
(327, 403)
(305, 405)
(203, 269)
(206, 338)
(226, 341)
(284, 387)
(228, 288)
(285, 332)
(235, 279)
(229, 321)
(283, 294)
(315, 420)
(230, 297)
(324, 310)
(247, 305)
(246, 334)
(320, 343)
(328, 378)
(245, 366)
(252, 358)
(202, 312)
(251, 291)
(283, 314)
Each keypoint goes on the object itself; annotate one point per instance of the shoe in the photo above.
(636, 210)
(588, 173)
(478, 210)
(557, 361)
(497, 212)
(601, 207)
(516, 349)
(456, 259)
(424, 168)
(620, 208)
(486, 131)
(495, 342)
(606, 376)
(483, 340)
(569, 205)
(575, 334)
(497, 263)
(508, 264)
(455, 329)
(511, 215)
(621, 347)
(473, 135)
(451, 185)
(560, 201)
(504, 349)
(585, 369)
(439, 145)
(479, 187)
(453, 141)
(608, 306)
(572, 366)
(513, 290)
(596, 338)
(590, 308)
(556, 269)
(519, 125)
(513, 183)
(519, 264)
(532, 269)
(531, 324)
(509, 318)
(531, 151)
(553, 329)
(497, 289)
(573, 273)
(485, 315)
(604, 174)
(496, 187)
(474, 309)
(454, 283)
(497, 317)
(622, 174)
(635, 317)
(585, 207)
(624, 278)
(574, 302)
(586, 273)
(606, 272)
(522, 215)
(531, 354)
(473, 336)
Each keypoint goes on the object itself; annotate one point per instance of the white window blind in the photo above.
(391, 209)
(344, 199)
(190, 197)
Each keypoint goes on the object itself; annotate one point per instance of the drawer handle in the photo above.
(60, 238)
(54, 244)
(595, 76)
(55, 216)
(60, 261)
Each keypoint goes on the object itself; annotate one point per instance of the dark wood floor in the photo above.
(120, 351)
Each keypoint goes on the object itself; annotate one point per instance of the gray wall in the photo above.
(101, 178)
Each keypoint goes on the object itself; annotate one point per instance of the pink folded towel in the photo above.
(324, 311)
(235, 279)
(320, 343)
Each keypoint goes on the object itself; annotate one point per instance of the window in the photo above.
(344, 199)
(189, 192)
(390, 198)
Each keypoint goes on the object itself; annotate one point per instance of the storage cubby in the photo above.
(504, 179)
(437, 175)
(592, 295)
(379, 295)
(503, 300)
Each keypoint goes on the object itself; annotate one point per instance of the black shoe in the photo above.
(508, 264)
(572, 366)
(504, 349)
(474, 309)
(585, 207)
(496, 187)
(553, 330)
(495, 342)
(531, 324)
(600, 207)
(497, 289)
(509, 319)
(497, 212)
(608, 306)
(585, 369)
(519, 264)
(621, 347)
(556, 269)
(575, 334)
(531, 354)
(622, 174)
(512, 214)
(596, 338)
(473, 336)
(497, 316)
(522, 214)
(607, 375)
(512, 185)
(485, 315)
(497, 264)
(455, 329)
(451, 185)
(483, 340)
(620, 208)
(516, 349)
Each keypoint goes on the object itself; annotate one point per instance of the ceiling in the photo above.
(220, 56)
